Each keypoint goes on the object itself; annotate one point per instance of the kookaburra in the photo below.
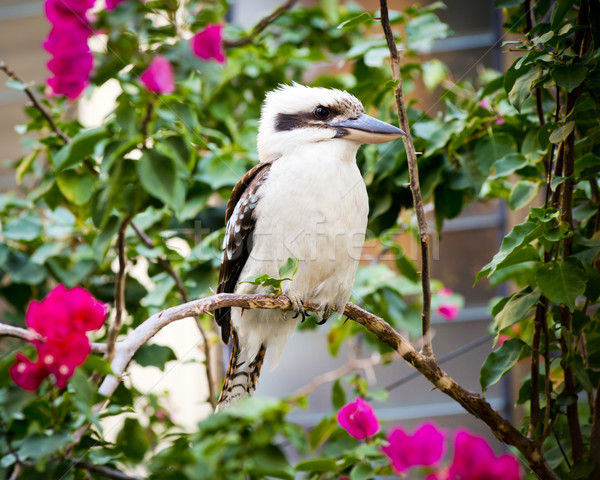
(306, 199)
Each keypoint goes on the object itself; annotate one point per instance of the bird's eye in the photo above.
(322, 113)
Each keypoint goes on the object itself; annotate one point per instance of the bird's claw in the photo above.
(297, 305)
(329, 310)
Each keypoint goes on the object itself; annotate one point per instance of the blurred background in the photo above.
(464, 246)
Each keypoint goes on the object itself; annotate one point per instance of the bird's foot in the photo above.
(327, 313)
(297, 305)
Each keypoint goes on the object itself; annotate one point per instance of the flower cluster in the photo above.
(473, 458)
(61, 320)
(207, 45)
(67, 42)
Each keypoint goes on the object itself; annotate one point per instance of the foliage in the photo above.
(155, 175)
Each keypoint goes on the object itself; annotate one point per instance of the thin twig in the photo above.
(342, 371)
(413, 170)
(164, 263)
(115, 328)
(260, 26)
(105, 471)
(36, 103)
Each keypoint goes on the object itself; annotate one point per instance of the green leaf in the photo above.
(133, 440)
(38, 446)
(362, 471)
(362, 18)
(18, 85)
(421, 32)
(562, 281)
(154, 356)
(76, 187)
(331, 10)
(26, 228)
(289, 268)
(523, 193)
(508, 164)
(499, 362)
(321, 432)
(158, 175)
(22, 270)
(520, 236)
(269, 461)
(434, 73)
(561, 133)
(338, 395)
(516, 308)
(104, 238)
(569, 76)
(491, 149)
(81, 146)
(317, 465)
(523, 86)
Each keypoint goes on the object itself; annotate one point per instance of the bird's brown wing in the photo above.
(240, 221)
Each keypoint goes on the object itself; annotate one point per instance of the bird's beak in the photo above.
(366, 129)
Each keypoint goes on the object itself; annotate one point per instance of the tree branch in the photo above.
(471, 402)
(105, 471)
(260, 26)
(18, 332)
(36, 103)
(413, 171)
(115, 328)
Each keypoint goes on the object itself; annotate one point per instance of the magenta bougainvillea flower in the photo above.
(359, 419)
(61, 319)
(474, 459)
(158, 77)
(449, 310)
(424, 447)
(67, 42)
(208, 44)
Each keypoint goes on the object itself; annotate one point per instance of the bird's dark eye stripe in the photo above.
(322, 113)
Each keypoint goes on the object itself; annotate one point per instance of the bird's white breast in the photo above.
(314, 207)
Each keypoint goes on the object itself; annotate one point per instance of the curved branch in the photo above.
(425, 364)
(413, 173)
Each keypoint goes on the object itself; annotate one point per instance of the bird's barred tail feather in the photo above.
(242, 374)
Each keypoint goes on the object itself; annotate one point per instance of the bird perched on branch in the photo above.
(306, 199)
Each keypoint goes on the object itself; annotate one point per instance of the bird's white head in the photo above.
(295, 116)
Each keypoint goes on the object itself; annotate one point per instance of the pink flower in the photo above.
(112, 4)
(158, 77)
(445, 292)
(424, 447)
(485, 103)
(64, 311)
(448, 310)
(27, 374)
(62, 318)
(208, 44)
(500, 121)
(72, 60)
(501, 339)
(359, 419)
(474, 459)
